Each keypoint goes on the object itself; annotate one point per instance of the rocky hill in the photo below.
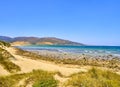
(38, 41)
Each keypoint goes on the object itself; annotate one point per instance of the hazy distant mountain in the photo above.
(39, 41)
(5, 38)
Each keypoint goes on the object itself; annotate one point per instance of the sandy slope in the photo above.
(3, 71)
(27, 65)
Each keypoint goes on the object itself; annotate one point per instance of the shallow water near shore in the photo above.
(88, 50)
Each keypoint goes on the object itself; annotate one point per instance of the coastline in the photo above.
(108, 61)
(69, 55)
(95, 51)
(63, 69)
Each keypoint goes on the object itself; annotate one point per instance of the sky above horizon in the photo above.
(94, 22)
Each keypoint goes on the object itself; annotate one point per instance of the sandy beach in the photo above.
(27, 65)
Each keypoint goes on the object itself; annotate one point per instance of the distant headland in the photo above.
(38, 41)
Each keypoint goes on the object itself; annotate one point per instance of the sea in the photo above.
(88, 50)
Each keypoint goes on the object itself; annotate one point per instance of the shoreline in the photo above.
(110, 62)
(74, 51)
(69, 55)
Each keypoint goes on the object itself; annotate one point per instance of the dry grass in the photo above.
(6, 63)
(94, 78)
(38, 78)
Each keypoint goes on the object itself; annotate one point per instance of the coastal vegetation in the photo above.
(5, 58)
(94, 78)
(4, 44)
(37, 78)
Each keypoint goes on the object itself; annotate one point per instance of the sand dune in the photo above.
(3, 71)
(27, 65)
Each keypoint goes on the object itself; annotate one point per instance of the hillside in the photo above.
(5, 38)
(38, 41)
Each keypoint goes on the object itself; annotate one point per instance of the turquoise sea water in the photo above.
(93, 50)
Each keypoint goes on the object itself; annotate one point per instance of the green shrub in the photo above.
(46, 82)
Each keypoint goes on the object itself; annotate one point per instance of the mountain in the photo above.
(5, 38)
(38, 41)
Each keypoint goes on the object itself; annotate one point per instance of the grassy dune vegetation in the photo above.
(5, 59)
(94, 78)
(37, 78)
(2, 43)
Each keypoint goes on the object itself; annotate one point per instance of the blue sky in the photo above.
(95, 22)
